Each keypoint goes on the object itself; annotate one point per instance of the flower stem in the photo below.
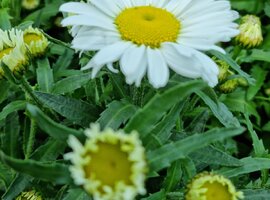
(31, 138)
(28, 89)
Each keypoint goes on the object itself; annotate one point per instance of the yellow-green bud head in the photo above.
(30, 4)
(242, 82)
(250, 31)
(13, 52)
(210, 186)
(36, 42)
(229, 86)
(33, 195)
(223, 69)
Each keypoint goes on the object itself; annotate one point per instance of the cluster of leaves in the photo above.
(186, 127)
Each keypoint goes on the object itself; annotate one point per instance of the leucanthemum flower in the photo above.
(209, 186)
(30, 4)
(13, 52)
(30, 195)
(151, 36)
(110, 165)
(250, 31)
(36, 42)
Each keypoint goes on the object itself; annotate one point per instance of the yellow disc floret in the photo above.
(105, 168)
(110, 165)
(13, 52)
(36, 42)
(147, 25)
(209, 186)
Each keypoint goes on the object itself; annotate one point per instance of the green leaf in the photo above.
(12, 107)
(5, 174)
(55, 130)
(4, 19)
(49, 151)
(64, 61)
(237, 102)
(19, 183)
(259, 74)
(249, 165)
(220, 110)
(234, 65)
(11, 138)
(145, 119)
(165, 155)
(199, 122)
(4, 89)
(71, 83)
(57, 173)
(44, 75)
(77, 193)
(117, 112)
(77, 111)
(173, 177)
(45, 13)
(162, 132)
(258, 145)
(211, 155)
(161, 195)
(258, 194)
(259, 55)
(249, 6)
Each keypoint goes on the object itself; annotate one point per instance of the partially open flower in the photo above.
(36, 41)
(31, 195)
(250, 31)
(30, 4)
(110, 165)
(209, 186)
(13, 52)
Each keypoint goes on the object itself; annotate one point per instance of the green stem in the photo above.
(31, 138)
(237, 49)
(28, 89)
(66, 45)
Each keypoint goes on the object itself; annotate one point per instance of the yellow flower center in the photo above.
(109, 165)
(28, 38)
(5, 52)
(148, 25)
(216, 191)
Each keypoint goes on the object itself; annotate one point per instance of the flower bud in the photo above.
(250, 31)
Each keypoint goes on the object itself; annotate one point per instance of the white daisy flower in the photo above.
(151, 36)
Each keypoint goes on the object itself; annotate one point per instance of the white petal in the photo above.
(132, 58)
(83, 20)
(108, 54)
(178, 61)
(158, 71)
(108, 7)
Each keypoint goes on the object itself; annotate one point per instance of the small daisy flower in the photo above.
(36, 42)
(30, 4)
(110, 165)
(250, 31)
(209, 186)
(13, 52)
(31, 195)
(152, 36)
